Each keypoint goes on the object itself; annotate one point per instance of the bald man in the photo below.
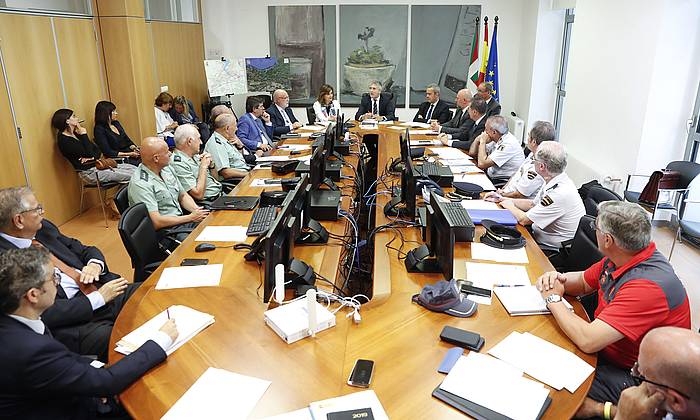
(155, 184)
(281, 115)
(458, 127)
(668, 367)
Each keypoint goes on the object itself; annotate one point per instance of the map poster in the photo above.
(226, 77)
(267, 74)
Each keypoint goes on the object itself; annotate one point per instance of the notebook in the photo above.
(523, 300)
(502, 216)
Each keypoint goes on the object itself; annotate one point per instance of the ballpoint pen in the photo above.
(509, 285)
(167, 312)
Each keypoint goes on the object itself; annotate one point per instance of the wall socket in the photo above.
(163, 88)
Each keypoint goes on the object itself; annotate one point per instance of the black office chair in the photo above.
(578, 254)
(310, 114)
(596, 195)
(121, 199)
(266, 98)
(141, 241)
(687, 170)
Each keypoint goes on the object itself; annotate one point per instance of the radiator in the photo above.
(516, 126)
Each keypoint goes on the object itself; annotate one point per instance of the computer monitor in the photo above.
(329, 141)
(317, 168)
(405, 146)
(440, 236)
(408, 189)
(340, 128)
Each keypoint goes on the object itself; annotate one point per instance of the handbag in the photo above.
(663, 179)
(105, 163)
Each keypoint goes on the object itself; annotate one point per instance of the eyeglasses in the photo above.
(38, 209)
(634, 372)
(56, 278)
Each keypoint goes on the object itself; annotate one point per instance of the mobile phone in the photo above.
(361, 375)
(194, 261)
(295, 152)
(462, 338)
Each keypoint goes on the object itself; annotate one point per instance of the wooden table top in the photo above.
(401, 337)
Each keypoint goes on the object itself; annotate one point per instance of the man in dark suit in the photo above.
(477, 113)
(433, 108)
(458, 127)
(90, 297)
(41, 378)
(376, 105)
(485, 91)
(281, 115)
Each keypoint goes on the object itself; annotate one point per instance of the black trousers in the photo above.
(609, 382)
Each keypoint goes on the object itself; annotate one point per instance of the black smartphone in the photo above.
(194, 261)
(361, 375)
(295, 152)
(462, 338)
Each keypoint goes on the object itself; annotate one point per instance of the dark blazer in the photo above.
(42, 379)
(387, 106)
(277, 120)
(249, 131)
(471, 134)
(493, 108)
(65, 314)
(459, 126)
(441, 112)
(109, 142)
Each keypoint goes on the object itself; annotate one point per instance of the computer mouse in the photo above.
(204, 247)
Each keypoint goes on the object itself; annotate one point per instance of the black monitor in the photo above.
(329, 141)
(340, 128)
(441, 237)
(408, 189)
(405, 145)
(317, 168)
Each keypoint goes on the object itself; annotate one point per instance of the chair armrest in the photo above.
(673, 189)
(630, 176)
(150, 268)
(689, 201)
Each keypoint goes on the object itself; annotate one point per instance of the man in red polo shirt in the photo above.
(637, 292)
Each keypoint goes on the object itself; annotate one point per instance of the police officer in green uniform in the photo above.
(155, 184)
(193, 171)
(228, 160)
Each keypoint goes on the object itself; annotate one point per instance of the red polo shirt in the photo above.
(651, 296)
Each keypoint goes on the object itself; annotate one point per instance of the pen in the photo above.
(508, 285)
(167, 311)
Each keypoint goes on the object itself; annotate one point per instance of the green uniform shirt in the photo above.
(224, 154)
(158, 194)
(187, 170)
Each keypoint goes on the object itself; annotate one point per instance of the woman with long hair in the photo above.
(111, 137)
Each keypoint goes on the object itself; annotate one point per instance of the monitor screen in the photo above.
(329, 140)
(442, 238)
(317, 168)
(340, 128)
(408, 188)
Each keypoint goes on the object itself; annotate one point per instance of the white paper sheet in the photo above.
(415, 124)
(487, 275)
(485, 381)
(397, 128)
(295, 147)
(273, 159)
(523, 300)
(383, 122)
(314, 127)
(479, 205)
(364, 399)
(544, 361)
(484, 252)
(301, 414)
(422, 132)
(424, 143)
(190, 276)
(260, 182)
(189, 323)
(478, 179)
(219, 394)
(465, 169)
(222, 234)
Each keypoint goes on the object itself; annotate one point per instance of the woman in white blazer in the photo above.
(326, 108)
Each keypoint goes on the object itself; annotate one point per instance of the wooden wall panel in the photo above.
(133, 8)
(32, 69)
(179, 52)
(12, 173)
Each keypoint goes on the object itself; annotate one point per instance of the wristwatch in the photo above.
(552, 299)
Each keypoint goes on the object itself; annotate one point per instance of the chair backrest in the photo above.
(584, 250)
(597, 194)
(140, 239)
(311, 114)
(688, 171)
(267, 100)
(121, 199)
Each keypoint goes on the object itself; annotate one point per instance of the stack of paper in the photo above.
(271, 182)
(415, 124)
(543, 360)
(364, 399)
(423, 132)
(486, 276)
(315, 127)
(219, 394)
(420, 143)
(495, 385)
(300, 414)
(478, 179)
(296, 147)
(479, 205)
(449, 153)
(262, 159)
(484, 252)
(222, 234)
(189, 323)
(523, 300)
(193, 276)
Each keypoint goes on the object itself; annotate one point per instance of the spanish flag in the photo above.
(485, 49)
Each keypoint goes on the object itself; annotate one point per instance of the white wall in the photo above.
(239, 29)
(632, 79)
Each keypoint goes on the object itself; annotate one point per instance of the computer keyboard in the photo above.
(261, 220)
(458, 214)
(429, 169)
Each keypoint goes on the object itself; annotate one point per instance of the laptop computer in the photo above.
(234, 203)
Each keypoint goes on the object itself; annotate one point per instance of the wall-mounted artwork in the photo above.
(372, 47)
(266, 74)
(305, 35)
(441, 41)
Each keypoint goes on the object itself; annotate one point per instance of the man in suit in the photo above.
(41, 378)
(376, 105)
(281, 115)
(485, 92)
(465, 138)
(458, 127)
(254, 127)
(433, 108)
(90, 297)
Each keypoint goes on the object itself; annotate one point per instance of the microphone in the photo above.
(279, 283)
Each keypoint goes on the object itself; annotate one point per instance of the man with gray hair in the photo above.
(376, 104)
(637, 292)
(196, 173)
(459, 126)
(228, 160)
(557, 208)
(281, 115)
(497, 151)
(526, 182)
(434, 109)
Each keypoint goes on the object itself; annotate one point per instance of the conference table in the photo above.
(401, 337)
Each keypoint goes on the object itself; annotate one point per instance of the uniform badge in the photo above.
(217, 140)
(546, 200)
(501, 147)
(531, 174)
(144, 176)
(177, 158)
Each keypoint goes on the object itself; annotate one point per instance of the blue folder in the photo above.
(504, 216)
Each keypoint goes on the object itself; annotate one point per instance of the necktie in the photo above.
(430, 112)
(67, 270)
(47, 331)
(375, 107)
(328, 110)
(287, 121)
(460, 114)
(263, 135)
